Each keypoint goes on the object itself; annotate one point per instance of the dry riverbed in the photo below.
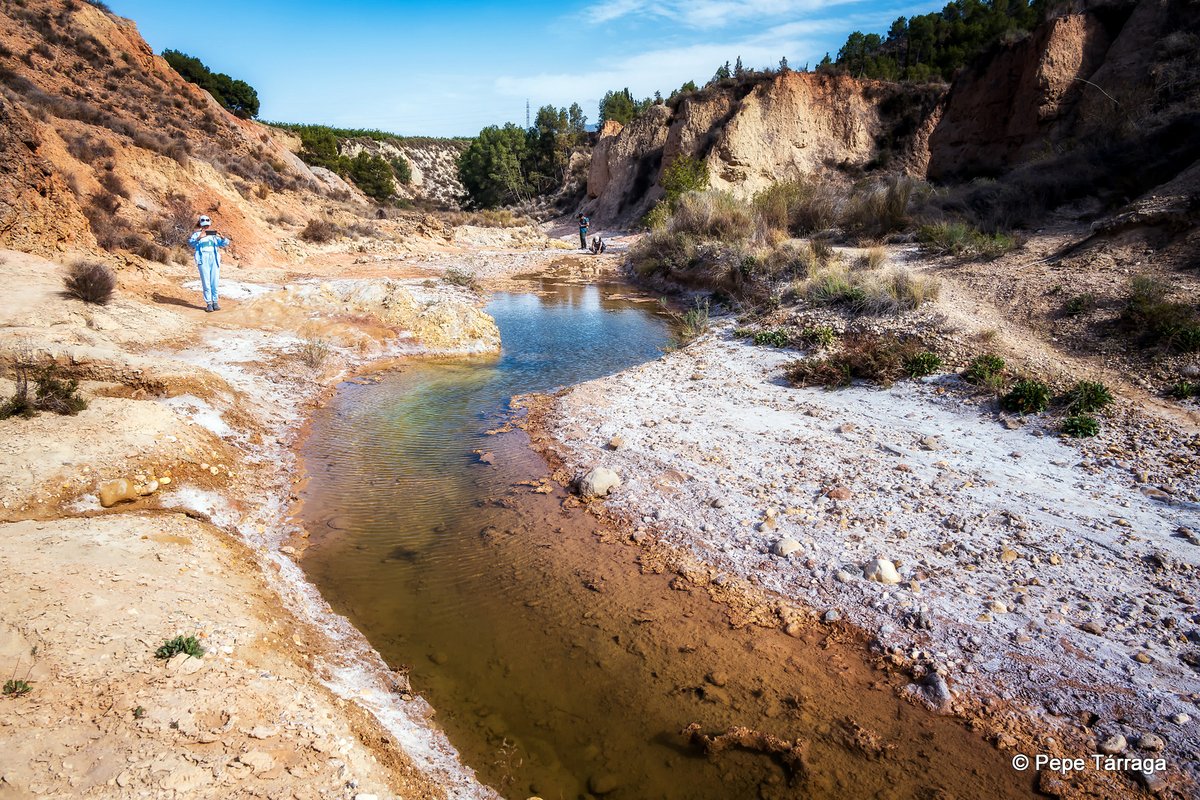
(1051, 593)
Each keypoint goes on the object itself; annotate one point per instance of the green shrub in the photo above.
(881, 208)
(684, 175)
(712, 215)
(16, 688)
(1157, 321)
(402, 169)
(1027, 396)
(1185, 389)
(90, 281)
(862, 356)
(777, 337)
(923, 364)
(657, 217)
(59, 396)
(235, 95)
(1080, 304)
(797, 207)
(178, 645)
(983, 368)
(373, 175)
(662, 252)
(1080, 426)
(1088, 396)
(958, 238)
(819, 336)
(694, 321)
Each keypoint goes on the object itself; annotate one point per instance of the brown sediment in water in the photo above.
(651, 653)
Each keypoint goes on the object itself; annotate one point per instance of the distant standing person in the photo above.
(208, 243)
(584, 222)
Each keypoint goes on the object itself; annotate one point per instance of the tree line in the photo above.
(235, 95)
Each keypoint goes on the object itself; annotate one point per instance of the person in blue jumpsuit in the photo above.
(207, 244)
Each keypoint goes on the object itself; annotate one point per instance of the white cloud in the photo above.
(709, 13)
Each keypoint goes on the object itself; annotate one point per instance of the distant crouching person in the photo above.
(208, 243)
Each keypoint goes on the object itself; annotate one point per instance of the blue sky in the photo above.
(451, 68)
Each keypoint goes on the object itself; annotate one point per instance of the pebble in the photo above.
(832, 615)
(717, 678)
(1008, 555)
(839, 493)
(603, 783)
(1092, 626)
(785, 547)
(616, 443)
(1113, 745)
(1181, 719)
(1151, 741)
(718, 502)
(882, 571)
(1143, 658)
(842, 576)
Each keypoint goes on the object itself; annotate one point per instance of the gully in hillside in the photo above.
(208, 243)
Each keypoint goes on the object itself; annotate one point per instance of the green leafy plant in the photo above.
(820, 336)
(1158, 321)
(958, 238)
(1080, 304)
(1180, 391)
(178, 645)
(777, 337)
(139, 712)
(1080, 426)
(923, 364)
(1088, 396)
(983, 369)
(16, 688)
(694, 322)
(1027, 396)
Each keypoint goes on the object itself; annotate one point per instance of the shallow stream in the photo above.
(562, 663)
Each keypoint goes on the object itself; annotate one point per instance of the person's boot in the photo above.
(208, 306)
(216, 306)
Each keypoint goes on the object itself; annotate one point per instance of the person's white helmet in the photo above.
(204, 222)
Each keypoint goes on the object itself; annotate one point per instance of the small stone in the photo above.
(996, 607)
(214, 470)
(165, 480)
(616, 443)
(932, 443)
(487, 458)
(785, 547)
(718, 502)
(1055, 559)
(1008, 555)
(832, 615)
(1093, 627)
(1143, 658)
(842, 576)
(603, 783)
(1113, 745)
(847, 427)
(263, 732)
(793, 629)
(717, 678)
(839, 493)
(257, 760)
(1181, 719)
(119, 491)
(1151, 741)
(882, 571)
(598, 482)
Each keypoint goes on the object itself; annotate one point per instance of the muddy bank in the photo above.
(1044, 587)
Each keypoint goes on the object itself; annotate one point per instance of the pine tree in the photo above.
(738, 70)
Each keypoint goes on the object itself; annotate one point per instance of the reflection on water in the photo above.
(555, 668)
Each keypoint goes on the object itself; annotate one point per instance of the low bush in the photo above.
(320, 231)
(880, 209)
(960, 239)
(456, 276)
(112, 182)
(873, 259)
(1027, 396)
(1184, 390)
(90, 281)
(712, 215)
(1157, 321)
(983, 369)
(877, 293)
(1080, 304)
(777, 337)
(180, 644)
(694, 322)
(313, 352)
(861, 356)
(1080, 426)
(819, 336)
(797, 207)
(1086, 397)
(923, 364)
(488, 218)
